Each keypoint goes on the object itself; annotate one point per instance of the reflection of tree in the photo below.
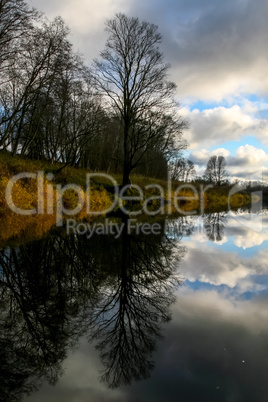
(54, 290)
(214, 225)
(43, 289)
(182, 226)
(126, 321)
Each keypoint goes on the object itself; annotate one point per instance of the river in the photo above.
(180, 315)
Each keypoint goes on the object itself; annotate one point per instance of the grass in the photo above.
(25, 193)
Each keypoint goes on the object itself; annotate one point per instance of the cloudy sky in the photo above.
(219, 61)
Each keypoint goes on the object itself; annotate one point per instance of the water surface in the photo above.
(181, 316)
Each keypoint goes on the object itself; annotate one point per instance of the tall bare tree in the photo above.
(133, 77)
(215, 171)
(16, 18)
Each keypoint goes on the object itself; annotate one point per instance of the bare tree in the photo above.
(133, 77)
(182, 169)
(16, 18)
(33, 94)
(215, 171)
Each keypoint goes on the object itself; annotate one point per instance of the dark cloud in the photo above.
(212, 43)
(214, 47)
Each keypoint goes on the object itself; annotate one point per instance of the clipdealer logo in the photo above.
(46, 204)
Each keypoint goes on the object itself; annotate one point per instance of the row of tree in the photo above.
(183, 169)
(117, 115)
(48, 109)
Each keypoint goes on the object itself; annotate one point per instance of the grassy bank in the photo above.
(176, 197)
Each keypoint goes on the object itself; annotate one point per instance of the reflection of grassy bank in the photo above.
(218, 198)
(101, 197)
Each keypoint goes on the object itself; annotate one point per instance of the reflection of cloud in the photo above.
(202, 238)
(250, 239)
(198, 237)
(214, 266)
(214, 349)
(80, 382)
(204, 348)
(247, 222)
(222, 241)
(249, 313)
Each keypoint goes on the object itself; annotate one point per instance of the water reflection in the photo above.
(126, 321)
(41, 295)
(214, 225)
(181, 227)
(117, 291)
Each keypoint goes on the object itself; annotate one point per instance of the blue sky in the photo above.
(218, 56)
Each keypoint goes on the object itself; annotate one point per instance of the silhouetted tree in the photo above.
(45, 287)
(215, 171)
(16, 18)
(182, 169)
(132, 76)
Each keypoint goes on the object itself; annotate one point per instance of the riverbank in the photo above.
(36, 195)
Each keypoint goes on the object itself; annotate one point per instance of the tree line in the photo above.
(118, 114)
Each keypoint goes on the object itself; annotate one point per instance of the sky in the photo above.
(219, 62)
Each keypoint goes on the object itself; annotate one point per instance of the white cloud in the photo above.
(215, 126)
(201, 156)
(252, 155)
(86, 20)
(252, 239)
(249, 162)
(221, 49)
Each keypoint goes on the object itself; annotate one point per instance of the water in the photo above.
(178, 316)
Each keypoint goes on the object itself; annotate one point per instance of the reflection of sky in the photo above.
(214, 347)
(218, 336)
(235, 264)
